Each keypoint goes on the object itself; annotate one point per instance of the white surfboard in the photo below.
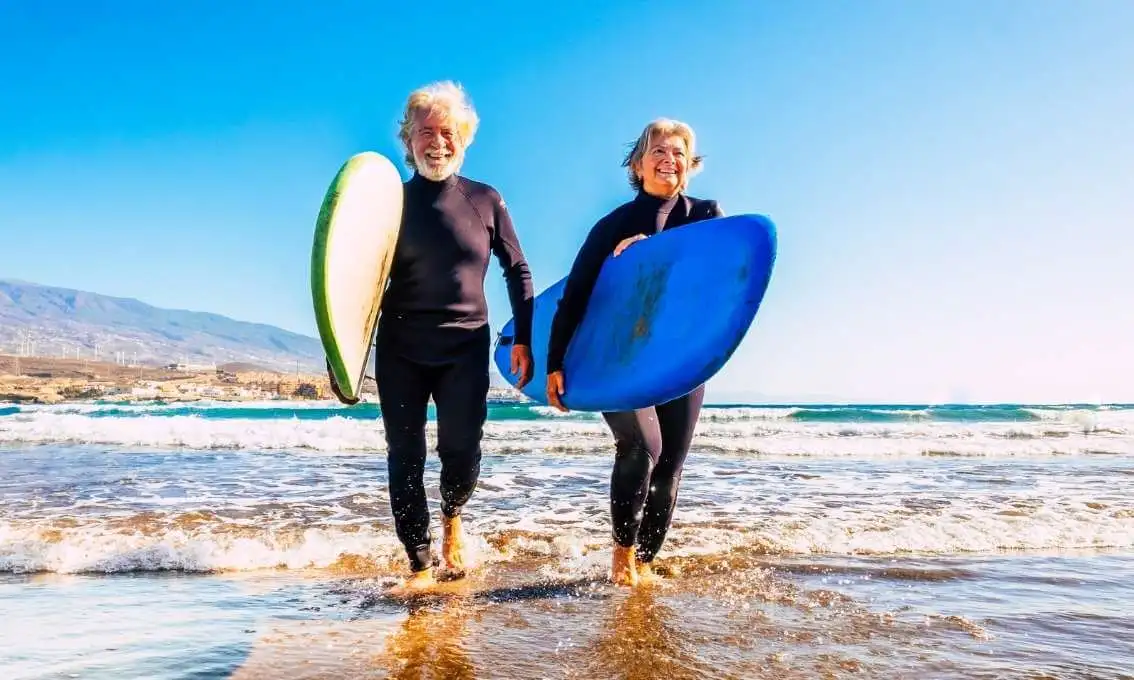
(355, 236)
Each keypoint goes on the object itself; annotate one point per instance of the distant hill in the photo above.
(46, 320)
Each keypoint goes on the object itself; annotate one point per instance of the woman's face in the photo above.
(663, 167)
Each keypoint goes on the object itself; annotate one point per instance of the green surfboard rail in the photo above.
(350, 385)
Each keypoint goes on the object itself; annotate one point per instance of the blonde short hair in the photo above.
(446, 97)
(665, 127)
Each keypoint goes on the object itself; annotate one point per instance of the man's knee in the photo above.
(405, 437)
(458, 464)
(465, 446)
(459, 440)
(405, 458)
(458, 481)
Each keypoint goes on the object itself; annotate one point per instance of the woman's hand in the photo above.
(522, 364)
(556, 386)
(627, 242)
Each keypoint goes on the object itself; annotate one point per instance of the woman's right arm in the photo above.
(577, 290)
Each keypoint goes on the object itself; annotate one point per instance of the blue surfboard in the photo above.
(664, 317)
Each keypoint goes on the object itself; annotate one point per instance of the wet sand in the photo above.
(732, 616)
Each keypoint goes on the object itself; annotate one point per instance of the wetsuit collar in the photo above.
(643, 195)
(419, 180)
(652, 201)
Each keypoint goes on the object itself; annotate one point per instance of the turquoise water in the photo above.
(817, 413)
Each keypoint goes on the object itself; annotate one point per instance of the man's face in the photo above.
(437, 148)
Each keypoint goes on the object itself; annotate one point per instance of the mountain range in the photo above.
(50, 321)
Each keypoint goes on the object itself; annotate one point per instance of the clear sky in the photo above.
(953, 181)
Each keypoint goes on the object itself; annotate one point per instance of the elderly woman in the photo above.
(433, 336)
(651, 443)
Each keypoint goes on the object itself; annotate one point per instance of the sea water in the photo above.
(255, 540)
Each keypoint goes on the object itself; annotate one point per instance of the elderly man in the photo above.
(433, 335)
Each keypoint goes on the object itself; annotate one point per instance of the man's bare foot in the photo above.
(453, 543)
(622, 570)
(418, 582)
(646, 575)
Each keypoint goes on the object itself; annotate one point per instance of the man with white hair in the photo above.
(433, 335)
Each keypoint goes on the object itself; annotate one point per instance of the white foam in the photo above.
(724, 415)
(549, 412)
(26, 548)
(572, 539)
(1106, 432)
(561, 512)
(948, 533)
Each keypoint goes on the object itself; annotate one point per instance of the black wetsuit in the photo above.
(650, 443)
(434, 340)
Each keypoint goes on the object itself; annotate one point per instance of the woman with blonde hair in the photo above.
(651, 443)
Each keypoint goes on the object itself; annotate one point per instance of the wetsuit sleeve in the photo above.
(580, 283)
(715, 209)
(517, 274)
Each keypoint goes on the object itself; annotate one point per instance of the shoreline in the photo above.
(49, 380)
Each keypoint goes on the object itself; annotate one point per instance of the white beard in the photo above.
(437, 173)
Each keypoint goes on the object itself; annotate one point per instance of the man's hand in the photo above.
(522, 364)
(556, 386)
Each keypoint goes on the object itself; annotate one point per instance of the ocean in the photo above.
(221, 540)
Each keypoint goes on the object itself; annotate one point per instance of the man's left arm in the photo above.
(506, 246)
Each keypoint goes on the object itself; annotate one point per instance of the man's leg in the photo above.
(403, 390)
(461, 398)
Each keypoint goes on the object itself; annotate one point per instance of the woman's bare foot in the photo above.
(453, 543)
(622, 569)
(418, 582)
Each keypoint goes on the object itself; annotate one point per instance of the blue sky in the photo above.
(952, 181)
